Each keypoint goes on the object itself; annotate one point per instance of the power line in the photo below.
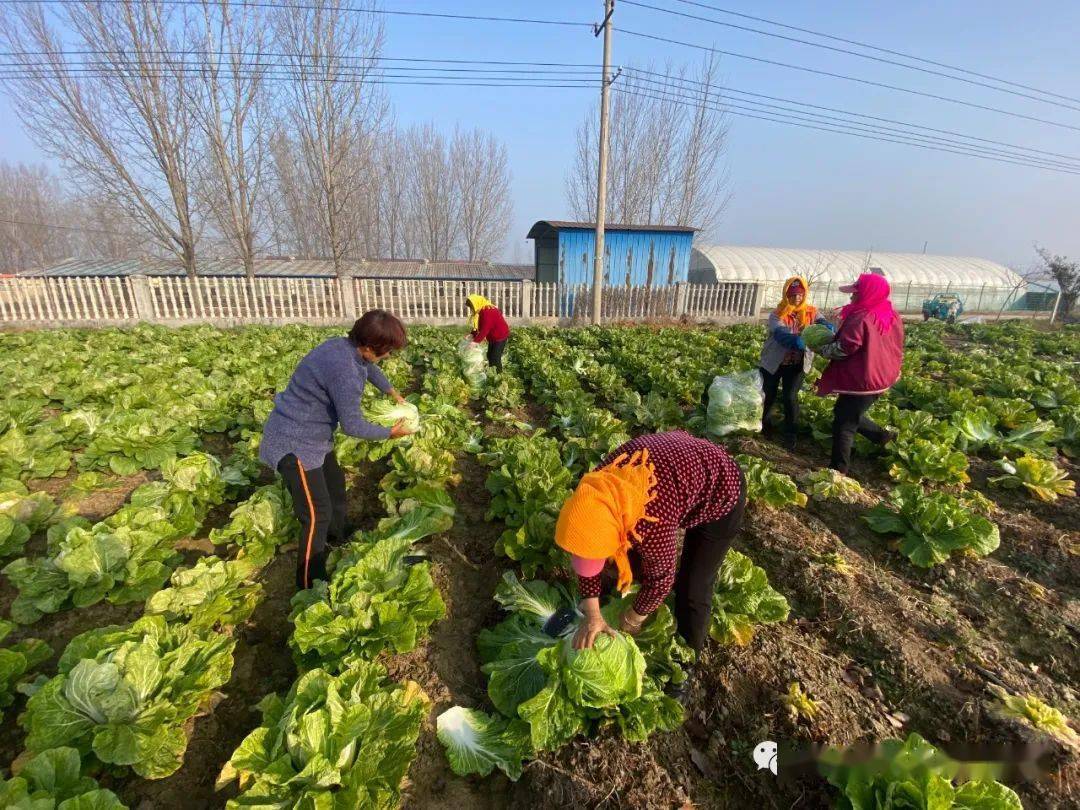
(725, 89)
(844, 131)
(280, 55)
(258, 61)
(254, 69)
(849, 52)
(844, 76)
(285, 74)
(878, 48)
(840, 130)
(254, 61)
(305, 7)
(773, 109)
(278, 72)
(972, 150)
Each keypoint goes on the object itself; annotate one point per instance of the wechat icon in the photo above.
(765, 756)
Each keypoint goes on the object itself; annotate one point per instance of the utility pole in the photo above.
(601, 173)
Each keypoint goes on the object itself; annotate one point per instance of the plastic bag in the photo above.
(735, 403)
(473, 361)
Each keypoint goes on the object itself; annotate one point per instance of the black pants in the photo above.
(318, 497)
(495, 353)
(849, 418)
(792, 376)
(703, 552)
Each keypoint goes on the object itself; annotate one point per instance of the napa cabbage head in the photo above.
(386, 412)
(817, 335)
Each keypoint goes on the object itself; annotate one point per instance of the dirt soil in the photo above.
(445, 665)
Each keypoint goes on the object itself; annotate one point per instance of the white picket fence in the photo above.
(224, 301)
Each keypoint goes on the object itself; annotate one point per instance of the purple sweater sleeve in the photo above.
(346, 390)
(377, 378)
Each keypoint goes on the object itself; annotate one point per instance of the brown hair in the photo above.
(379, 331)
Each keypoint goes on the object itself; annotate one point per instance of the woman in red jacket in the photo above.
(865, 359)
(487, 323)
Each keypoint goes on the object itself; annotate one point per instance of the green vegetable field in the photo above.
(154, 652)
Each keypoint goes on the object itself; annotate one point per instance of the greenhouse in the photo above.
(982, 284)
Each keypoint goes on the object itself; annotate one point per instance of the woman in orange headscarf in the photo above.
(630, 511)
(784, 357)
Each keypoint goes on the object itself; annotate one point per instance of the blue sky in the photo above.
(791, 187)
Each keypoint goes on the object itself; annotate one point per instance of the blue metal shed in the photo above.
(635, 255)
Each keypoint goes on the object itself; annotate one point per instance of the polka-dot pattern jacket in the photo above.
(697, 482)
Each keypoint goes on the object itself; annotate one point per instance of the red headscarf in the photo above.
(872, 297)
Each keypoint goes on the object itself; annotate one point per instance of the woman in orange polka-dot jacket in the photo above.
(631, 509)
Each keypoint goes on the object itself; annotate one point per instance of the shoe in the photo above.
(680, 692)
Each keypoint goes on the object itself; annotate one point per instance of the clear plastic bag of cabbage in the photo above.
(735, 403)
(547, 693)
(817, 335)
(473, 361)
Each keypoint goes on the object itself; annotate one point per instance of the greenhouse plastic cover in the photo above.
(774, 265)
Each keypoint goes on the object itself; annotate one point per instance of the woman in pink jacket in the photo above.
(864, 363)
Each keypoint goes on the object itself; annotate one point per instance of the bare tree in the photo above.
(434, 203)
(229, 101)
(30, 199)
(118, 119)
(1066, 274)
(395, 216)
(42, 222)
(333, 110)
(289, 200)
(482, 180)
(667, 138)
(816, 268)
(104, 231)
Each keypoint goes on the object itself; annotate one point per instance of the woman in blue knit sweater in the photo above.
(298, 438)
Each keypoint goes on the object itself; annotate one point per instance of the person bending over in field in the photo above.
(631, 509)
(784, 357)
(864, 363)
(298, 439)
(487, 323)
